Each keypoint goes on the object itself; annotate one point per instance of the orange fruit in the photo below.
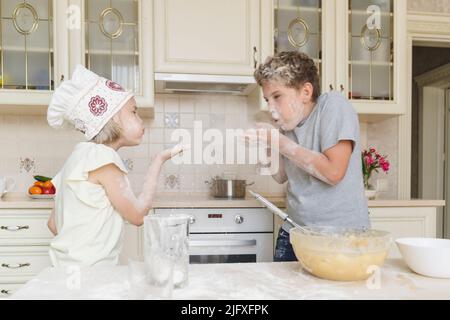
(35, 190)
(47, 184)
(39, 184)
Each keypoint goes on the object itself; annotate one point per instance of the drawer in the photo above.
(23, 227)
(7, 289)
(23, 261)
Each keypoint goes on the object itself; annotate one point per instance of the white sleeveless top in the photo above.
(89, 228)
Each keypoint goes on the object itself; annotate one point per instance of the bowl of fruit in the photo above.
(42, 188)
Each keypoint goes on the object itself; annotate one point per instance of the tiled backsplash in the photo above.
(30, 146)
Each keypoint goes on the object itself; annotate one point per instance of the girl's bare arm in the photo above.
(119, 192)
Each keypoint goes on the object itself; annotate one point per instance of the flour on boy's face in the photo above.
(285, 104)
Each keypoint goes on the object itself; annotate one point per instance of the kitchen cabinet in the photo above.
(115, 40)
(358, 47)
(404, 222)
(207, 36)
(33, 51)
(24, 243)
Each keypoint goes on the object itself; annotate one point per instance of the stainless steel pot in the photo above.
(227, 188)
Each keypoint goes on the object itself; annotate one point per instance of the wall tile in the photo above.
(202, 105)
(187, 120)
(156, 135)
(171, 104)
(187, 104)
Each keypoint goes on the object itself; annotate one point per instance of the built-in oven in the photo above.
(228, 235)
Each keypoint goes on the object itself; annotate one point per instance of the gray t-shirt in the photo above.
(311, 201)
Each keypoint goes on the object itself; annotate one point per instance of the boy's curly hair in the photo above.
(291, 68)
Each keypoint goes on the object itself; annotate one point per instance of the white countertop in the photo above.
(245, 281)
(204, 200)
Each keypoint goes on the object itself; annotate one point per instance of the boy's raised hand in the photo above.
(263, 133)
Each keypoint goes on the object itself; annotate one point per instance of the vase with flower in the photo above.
(372, 161)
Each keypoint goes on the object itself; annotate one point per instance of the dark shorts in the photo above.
(283, 248)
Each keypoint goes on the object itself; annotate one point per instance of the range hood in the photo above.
(200, 83)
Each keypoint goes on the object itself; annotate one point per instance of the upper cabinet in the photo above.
(115, 40)
(207, 36)
(372, 66)
(358, 46)
(30, 63)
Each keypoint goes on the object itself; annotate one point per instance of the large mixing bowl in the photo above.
(341, 254)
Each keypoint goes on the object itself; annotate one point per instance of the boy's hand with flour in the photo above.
(94, 196)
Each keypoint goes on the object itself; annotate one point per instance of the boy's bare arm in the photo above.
(329, 166)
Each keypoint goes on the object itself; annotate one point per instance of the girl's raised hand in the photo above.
(172, 152)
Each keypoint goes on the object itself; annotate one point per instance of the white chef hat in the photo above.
(87, 101)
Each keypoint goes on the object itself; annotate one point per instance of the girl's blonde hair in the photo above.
(292, 69)
(109, 133)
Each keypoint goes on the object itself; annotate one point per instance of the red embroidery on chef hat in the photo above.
(98, 106)
(114, 86)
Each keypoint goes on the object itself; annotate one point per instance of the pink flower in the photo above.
(371, 161)
(384, 164)
(368, 159)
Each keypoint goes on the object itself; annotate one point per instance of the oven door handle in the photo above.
(215, 243)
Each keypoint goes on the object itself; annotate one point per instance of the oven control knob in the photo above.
(191, 219)
(239, 219)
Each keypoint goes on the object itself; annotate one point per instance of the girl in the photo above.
(93, 193)
(318, 145)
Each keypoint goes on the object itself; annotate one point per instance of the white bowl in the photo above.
(426, 256)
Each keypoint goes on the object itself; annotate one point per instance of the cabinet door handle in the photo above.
(5, 291)
(255, 60)
(342, 88)
(331, 87)
(14, 228)
(15, 266)
(62, 78)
